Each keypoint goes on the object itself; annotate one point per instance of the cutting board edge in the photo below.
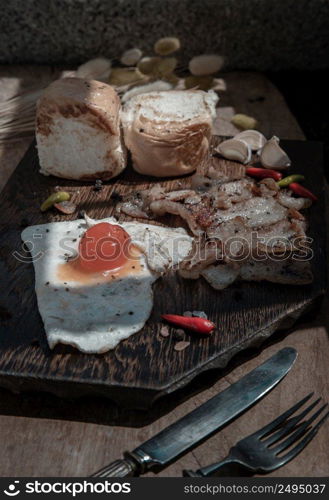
(24, 382)
(142, 398)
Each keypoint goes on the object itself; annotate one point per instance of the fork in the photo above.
(262, 451)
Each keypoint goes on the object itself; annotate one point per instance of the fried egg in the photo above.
(93, 279)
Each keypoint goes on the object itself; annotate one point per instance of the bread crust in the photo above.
(92, 108)
(166, 147)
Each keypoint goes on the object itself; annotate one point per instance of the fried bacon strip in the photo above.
(234, 218)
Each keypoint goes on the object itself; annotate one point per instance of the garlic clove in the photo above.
(256, 140)
(131, 57)
(95, 69)
(273, 156)
(206, 64)
(235, 149)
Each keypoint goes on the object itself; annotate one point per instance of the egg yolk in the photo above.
(104, 247)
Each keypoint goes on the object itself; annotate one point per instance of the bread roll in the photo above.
(168, 133)
(78, 130)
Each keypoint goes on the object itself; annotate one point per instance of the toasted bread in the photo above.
(168, 133)
(78, 130)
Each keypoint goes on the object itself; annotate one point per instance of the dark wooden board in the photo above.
(145, 366)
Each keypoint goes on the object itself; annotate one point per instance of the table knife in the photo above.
(204, 420)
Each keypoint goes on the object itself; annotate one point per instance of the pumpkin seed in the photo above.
(98, 69)
(207, 64)
(131, 57)
(244, 122)
(166, 46)
(166, 66)
(147, 64)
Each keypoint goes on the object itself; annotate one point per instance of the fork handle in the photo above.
(209, 470)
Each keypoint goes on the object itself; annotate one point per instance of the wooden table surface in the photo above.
(42, 435)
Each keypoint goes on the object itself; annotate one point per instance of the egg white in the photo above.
(95, 318)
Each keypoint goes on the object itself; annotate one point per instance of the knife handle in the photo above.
(131, 465)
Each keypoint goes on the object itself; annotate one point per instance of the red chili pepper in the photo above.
(301, 191)
(199, 325)
(263, 173)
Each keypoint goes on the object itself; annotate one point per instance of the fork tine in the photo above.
(294, 452)
(290, 425)
(275, 423)
(301, 430)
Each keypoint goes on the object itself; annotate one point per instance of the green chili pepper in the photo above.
(55, 198)
(290, 179)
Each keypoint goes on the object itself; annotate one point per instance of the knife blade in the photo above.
(204, 420)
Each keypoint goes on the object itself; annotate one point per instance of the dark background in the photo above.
(306, 93)
(286, 39)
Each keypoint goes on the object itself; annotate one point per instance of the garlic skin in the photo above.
(235, 149)
(131, 57)
(95, 69)
(256, 140)
(207, 64)
(273, 156)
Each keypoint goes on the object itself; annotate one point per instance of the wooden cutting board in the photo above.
(145, 366)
